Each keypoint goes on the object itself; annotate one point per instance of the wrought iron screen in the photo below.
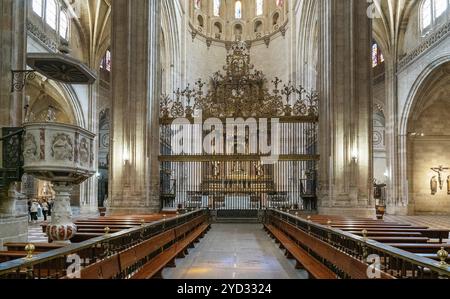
(216, 145)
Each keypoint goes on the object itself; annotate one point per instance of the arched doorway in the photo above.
(428, 140)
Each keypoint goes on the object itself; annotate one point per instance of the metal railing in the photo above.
(393, 261)
(56, 264)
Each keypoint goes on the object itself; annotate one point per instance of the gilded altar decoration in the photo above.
(240, 91)
(62, 148)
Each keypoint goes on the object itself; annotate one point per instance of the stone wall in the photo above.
(13, 229)
(426, 152)
(204, 61)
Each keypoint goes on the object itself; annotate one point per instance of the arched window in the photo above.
(51, 13)
(280, 3)
(106, 62)
(216, 8)
(431, 13)
(38, 6)
(377, 56)
(427, 14)
(259, 7)
(63, 24)
(440, 6)
(238, 10)
(198, 4)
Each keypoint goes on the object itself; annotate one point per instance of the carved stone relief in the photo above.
(30, 148)
(62, 148)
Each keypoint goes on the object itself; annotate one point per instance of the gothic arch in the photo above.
(172, 22)
(415, 90)
(307, 31)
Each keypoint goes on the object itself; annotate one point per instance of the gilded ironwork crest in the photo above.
(240, 91)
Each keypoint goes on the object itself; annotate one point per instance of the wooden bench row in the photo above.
(419, 240)
(148, 259)
(312, 253)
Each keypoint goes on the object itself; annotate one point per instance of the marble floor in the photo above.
(235, 251)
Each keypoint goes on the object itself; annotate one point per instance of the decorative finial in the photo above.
(30, 248)
(364, 233)
(442, 255)
(107, 230)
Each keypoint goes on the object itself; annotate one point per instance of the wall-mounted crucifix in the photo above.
(439, 170)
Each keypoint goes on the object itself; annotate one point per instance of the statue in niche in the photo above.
(51, 114)
(448, 185)
(216, 169)
(434, 185)
(259, 170)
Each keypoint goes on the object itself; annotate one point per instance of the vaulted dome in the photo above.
(231, 20)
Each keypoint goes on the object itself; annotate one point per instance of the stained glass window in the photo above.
(37, 7)
(259, 7)
(217, 8)
(51, 14)
(238, 10)
(106, 62)
(377, 56)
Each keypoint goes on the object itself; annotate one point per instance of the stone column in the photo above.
(89, 189)
(61, 227)
(13, 34)
(345, 172)
(136, 85)
(13, 51)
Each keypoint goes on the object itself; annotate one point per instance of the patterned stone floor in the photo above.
(430, 221)
(437, 222)
(235, 251)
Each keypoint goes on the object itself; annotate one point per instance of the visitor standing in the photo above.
(34, 211)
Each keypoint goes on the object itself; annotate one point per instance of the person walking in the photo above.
(50, 207)
(34, 211)
(45, 209)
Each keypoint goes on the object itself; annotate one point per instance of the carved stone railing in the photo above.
(431, 41)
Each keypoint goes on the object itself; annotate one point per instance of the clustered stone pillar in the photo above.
(12, 57)
(13, 220)
(345, 183)
(136, 86)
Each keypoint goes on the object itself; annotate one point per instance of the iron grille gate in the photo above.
(230, 175)
(241, 182)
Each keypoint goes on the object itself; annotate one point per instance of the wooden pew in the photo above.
(167, 246)
(353, 268)
(6, 256)
(314, 267)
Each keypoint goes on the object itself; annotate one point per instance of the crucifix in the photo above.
(439, 170)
